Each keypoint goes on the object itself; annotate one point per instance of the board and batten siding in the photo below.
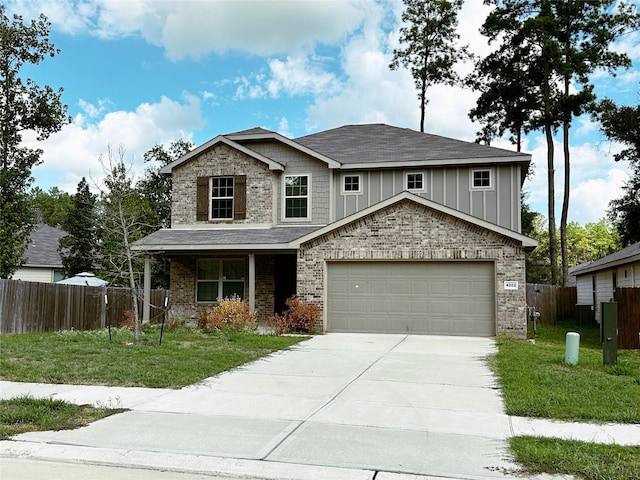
(450, 186)
(298, 163)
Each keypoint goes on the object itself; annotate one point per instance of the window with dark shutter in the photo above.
(240, 197)
(202, 201)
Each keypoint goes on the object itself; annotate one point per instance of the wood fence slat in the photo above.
(27, 307)
(628, 317)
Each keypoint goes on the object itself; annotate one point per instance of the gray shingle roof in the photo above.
(378, 143)
(42, 250)
(178, 239)
(626, 255)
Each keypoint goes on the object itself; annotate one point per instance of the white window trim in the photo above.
(284, 198)
(216, 219)
(406, 182)
(351, 192)
(220, 279)
(491, 179)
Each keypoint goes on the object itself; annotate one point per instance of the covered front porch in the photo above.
(207, 265)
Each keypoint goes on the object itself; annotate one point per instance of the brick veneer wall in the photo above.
(183, 287)
(222, 160)
(408, 231)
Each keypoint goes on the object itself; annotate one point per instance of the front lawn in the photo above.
(537, 383)
(186, 356)
(590, 461)
(26, 414)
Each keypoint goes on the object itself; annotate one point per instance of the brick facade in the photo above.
(222, 160)
(408, 231)
(183, 287)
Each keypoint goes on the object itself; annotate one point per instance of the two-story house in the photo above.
(385, 228)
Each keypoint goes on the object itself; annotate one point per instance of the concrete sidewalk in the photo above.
(335, 406)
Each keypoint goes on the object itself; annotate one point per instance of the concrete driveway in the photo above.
(355, 404)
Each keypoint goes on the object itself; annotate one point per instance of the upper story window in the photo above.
(296, 196)
(481, 179)
(221, 197)
(415, 181)
(351, 184)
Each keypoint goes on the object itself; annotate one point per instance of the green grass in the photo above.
(590, 461)
(186, 356)
(537, 383)
(25, 414)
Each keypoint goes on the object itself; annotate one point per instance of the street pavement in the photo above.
(352, 406)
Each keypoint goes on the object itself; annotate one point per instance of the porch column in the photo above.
(252, 282)
(146, 294)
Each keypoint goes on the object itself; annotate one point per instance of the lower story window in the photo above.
(219, 278)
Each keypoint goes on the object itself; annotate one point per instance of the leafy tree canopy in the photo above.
(24, 106)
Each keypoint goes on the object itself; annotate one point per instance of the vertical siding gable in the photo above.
(450, 186)
(296, 162)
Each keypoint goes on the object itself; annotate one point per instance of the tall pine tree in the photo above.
(428, 45)
(79, 248)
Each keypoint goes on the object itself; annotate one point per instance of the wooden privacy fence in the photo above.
(628, 317)
(554, 303)
(28, 307)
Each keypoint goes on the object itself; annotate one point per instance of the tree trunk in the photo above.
(548, 129)
(423, 102)
(132, 280)
(567, 188)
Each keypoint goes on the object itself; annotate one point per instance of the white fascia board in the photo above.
(160, 248)
(527, 242)
(222, 139)
(453, 162)
(331, 163)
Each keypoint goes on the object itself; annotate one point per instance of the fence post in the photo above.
(146, 305)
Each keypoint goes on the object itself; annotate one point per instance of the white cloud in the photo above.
(74, 151)
(298, 75)
(197, 28)
(590, 199)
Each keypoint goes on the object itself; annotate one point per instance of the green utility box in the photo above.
(609, 332)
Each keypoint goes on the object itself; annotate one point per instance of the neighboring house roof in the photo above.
(42, 250)
(375, 145)
(367, 146)
(621, 257)
(292, 237)
(86, 279)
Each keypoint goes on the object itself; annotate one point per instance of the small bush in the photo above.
(231, 314)
(299, 317)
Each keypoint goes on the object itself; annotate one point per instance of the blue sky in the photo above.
(139, 73)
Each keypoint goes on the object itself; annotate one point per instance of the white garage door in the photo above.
(442, 298)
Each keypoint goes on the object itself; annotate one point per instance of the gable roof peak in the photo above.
(250, 131)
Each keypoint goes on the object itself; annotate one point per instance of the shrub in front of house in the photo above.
(298, 317)
(231, 313)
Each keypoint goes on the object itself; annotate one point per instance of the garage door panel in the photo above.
(440, 288)
(399, 286)
(451, 298)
